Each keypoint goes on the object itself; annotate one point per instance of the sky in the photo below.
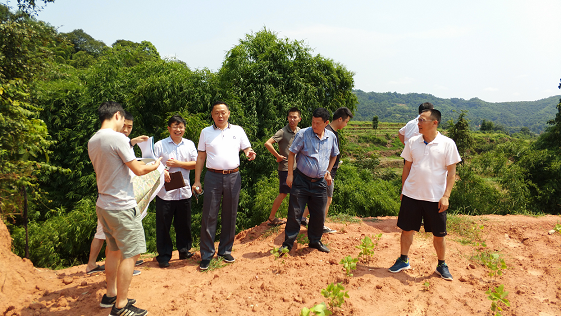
(495, 50)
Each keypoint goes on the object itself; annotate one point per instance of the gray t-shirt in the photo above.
(109, 151)
(284, 137)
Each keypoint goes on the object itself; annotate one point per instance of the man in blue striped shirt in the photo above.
(315, 150)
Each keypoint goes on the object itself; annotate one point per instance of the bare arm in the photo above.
(327, 175)
(141, 169)
(450, 180)
(139, 139)
(201, 158)
(187, 165)
(271, 149)
(401, 138)
(405, 174)
(290, 175)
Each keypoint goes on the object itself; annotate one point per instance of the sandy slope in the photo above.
(256, 284)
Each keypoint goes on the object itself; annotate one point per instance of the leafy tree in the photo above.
(486, 126)
(24, 140)
(264, 76)
(375, 122)
(83, 42)
(460, 133)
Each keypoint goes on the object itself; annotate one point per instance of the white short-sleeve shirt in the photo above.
(184, 151)
(223, 147)
(427, 178)
(410, 129)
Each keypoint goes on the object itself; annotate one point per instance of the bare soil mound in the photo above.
(257, 284)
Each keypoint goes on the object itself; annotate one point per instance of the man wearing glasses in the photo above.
(427, 180)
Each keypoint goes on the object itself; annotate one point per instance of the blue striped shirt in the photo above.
(312, 153)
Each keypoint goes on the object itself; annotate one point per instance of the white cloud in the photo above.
(491, 89)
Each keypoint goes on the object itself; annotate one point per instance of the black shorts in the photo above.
(412, 212)
(283, 187)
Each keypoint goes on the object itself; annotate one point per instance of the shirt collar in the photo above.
(288, 129)
(434, 141)
(171, 141)
(216, 127)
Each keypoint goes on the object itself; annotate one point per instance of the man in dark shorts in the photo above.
(284, 138)
(116, 208)
(427, 180)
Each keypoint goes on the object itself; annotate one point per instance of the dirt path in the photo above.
(256, 284)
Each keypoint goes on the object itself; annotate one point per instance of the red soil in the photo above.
(256, 284)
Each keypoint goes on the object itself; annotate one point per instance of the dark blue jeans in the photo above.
(304, 192)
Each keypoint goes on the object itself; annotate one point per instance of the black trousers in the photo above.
(178, 212)
(304, 192)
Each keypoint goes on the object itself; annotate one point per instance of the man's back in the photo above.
(108, 151)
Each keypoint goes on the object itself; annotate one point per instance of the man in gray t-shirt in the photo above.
(111, 157)
(283, 138)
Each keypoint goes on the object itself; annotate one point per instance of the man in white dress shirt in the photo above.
(179, 155)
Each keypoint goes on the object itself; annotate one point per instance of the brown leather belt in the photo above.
(308, 178)
(224, 171)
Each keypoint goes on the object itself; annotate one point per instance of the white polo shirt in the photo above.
(427, 178)
(223, 147)
(184, 151)
(410, 129)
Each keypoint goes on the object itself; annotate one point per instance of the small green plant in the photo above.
(319, 310)
(349, 264)
(557, 228)
(335, 294)
(426, 286)
(493, 261)
(367, 247)
(277, 254)
(467, 228)
(498, 297)
(302, 239)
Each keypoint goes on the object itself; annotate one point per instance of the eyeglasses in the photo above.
(422, 120)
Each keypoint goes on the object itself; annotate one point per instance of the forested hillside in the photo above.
(398, 108)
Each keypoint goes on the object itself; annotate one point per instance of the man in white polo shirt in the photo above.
(427, 180)
(219, 146)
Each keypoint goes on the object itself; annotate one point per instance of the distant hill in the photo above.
(400, 108)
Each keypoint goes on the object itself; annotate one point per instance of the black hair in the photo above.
(321, 112)
(434, 114)
(107, 109)
(293, 109)
(176, 119)
(342, 112)
(425, 106)
(128, 116)
(218, 103)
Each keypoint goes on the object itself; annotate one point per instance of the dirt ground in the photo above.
(257, 284)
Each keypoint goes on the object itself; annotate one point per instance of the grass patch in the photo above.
(469, 231)
(215, 264)
(270, 231)
(344, 219)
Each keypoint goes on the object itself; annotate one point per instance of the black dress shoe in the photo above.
(319, 246)
(164, 264)
(185, 255)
